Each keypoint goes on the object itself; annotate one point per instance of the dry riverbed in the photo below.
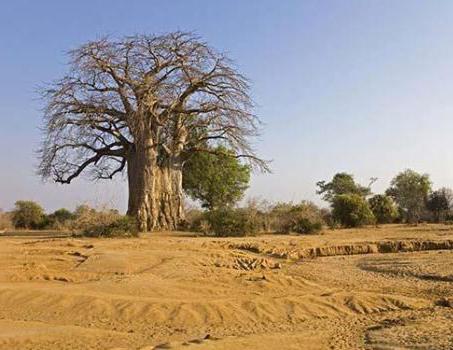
(377, 288)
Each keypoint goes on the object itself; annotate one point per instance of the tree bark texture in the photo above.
(155, 190)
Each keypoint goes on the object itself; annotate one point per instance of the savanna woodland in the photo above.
(175, 117)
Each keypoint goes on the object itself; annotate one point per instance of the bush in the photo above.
(440, 203)
(280, 217)
(351, 210)
(102, 223)
(28, 215)
(123, 226)
(305, 217)
(257, 217)
(304, 225)
(59, 219)
(383, 208)
(227, 222)
(86, 217)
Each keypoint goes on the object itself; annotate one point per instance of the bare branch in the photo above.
(170, 92)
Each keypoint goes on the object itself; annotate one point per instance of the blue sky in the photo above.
(359, 86)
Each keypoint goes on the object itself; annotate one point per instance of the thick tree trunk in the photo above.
(155, 190)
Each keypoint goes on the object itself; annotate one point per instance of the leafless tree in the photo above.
(142, 105)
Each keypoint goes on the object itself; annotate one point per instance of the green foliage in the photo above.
(306, 226)
(62, 215)
(347, 199)
(255, 217)
(342, 183)
(122, 226)
(383, 208)
(440, 202)
(215, 179)
(351, 210)
(28, 215)
(59, 219)
(305, 217)
(225, 222)
(410, 190)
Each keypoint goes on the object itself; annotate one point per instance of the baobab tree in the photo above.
(142, 105)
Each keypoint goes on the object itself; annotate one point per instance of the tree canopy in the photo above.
(342, 183)
(28, 215)
(440, 202)
(383, 208)
(410, 191)
(351, 210)
(216, 179)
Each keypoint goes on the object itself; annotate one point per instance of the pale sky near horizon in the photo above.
(364, 86)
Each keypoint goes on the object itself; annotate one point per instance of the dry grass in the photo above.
(5, 221)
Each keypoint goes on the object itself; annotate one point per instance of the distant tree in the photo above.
(28, 215)
(216, 179)
(62, 215)
(410, 191)
(351, 210)
(342, 183)
(440, 202)
(58, 217)
(383, 208)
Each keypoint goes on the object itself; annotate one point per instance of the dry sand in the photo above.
(383, 288)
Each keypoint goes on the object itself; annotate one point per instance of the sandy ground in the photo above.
(345, 289)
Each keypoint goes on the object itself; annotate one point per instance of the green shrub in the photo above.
(59, 219)
(305, 217)
(383, 208)
(305, 225)
(439, 203)
(351, 210)
(28, 215)
(227, 222)
(123, 226)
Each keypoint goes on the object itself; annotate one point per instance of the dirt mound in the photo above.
(241, 261)
(346, 249)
